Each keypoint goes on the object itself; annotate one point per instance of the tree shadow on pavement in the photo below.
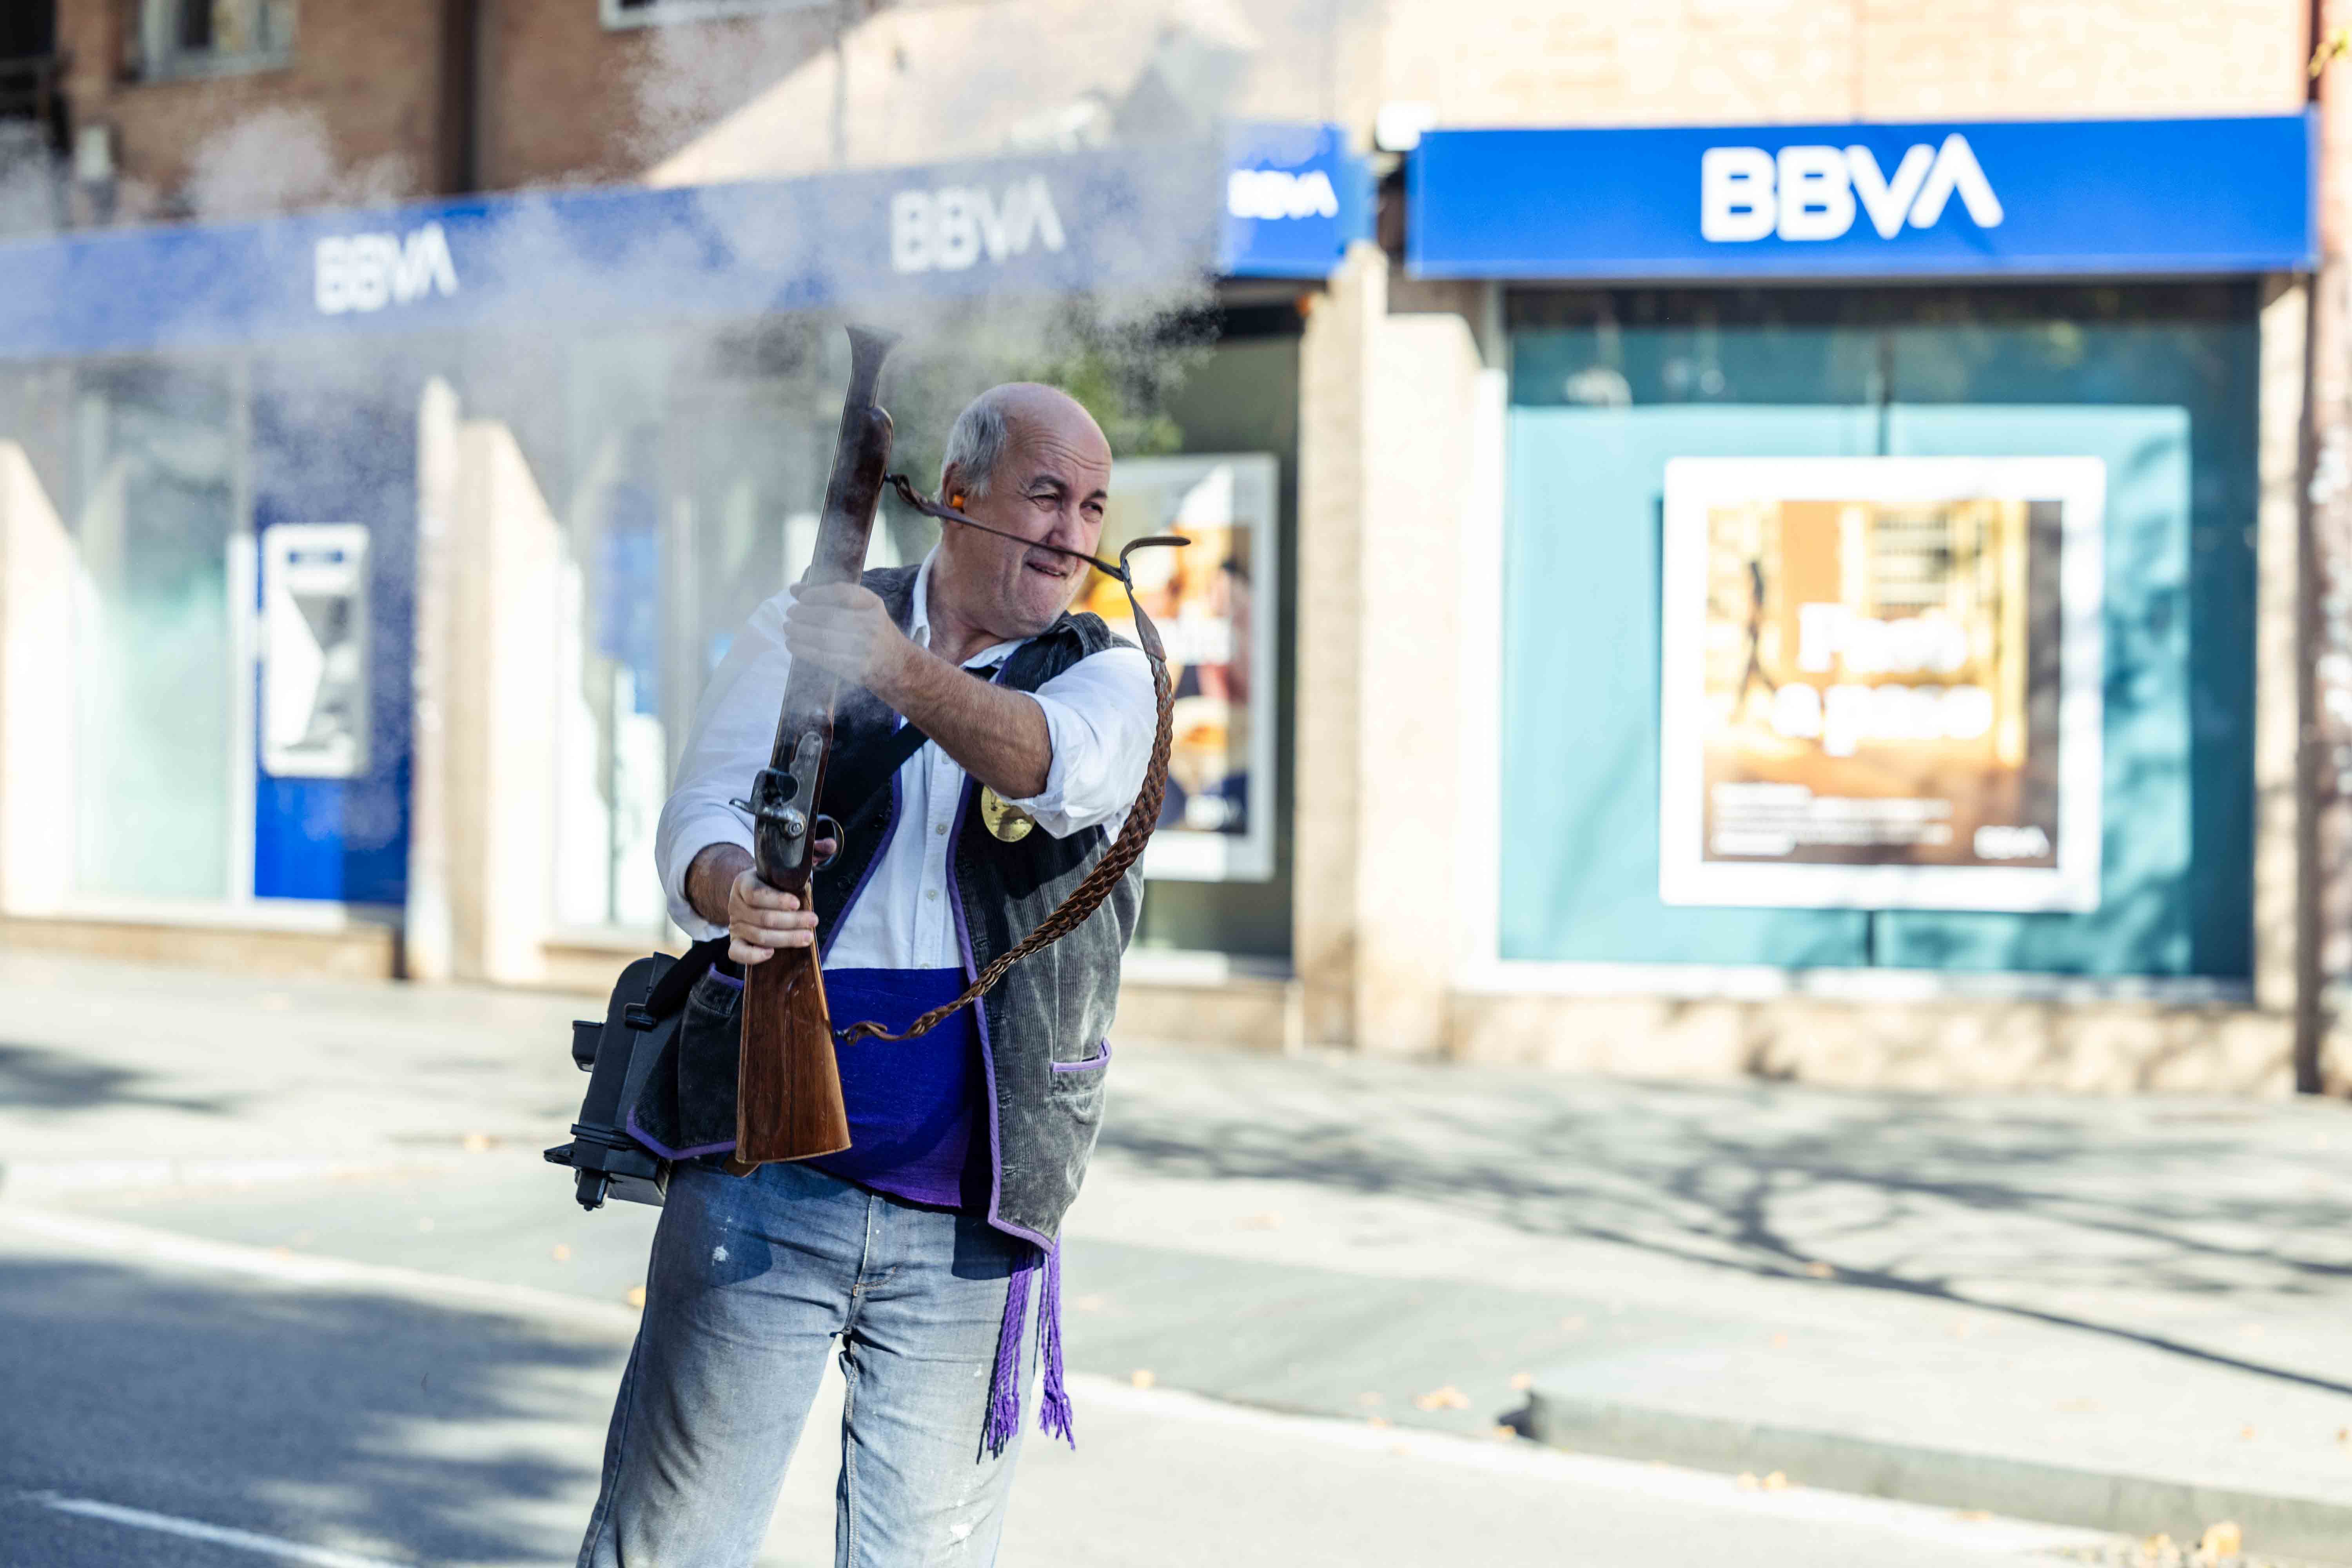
(37, 1079)
(369, 1423)
(2034, 1207)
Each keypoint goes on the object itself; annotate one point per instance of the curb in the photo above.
(2309, 1528)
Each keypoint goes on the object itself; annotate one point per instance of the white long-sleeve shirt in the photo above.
(1100, 715)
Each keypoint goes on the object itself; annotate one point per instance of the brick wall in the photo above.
(1730, 61)
(354, 115)
(569, 99)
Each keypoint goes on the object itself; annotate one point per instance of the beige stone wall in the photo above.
(1387, 471)
(37, 708)
(498, 722)
(1944, 1044)
(1579, 62)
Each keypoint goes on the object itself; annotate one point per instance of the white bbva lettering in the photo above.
(948, 229)
(366, 272)
(1272, 194)
(1809, 193)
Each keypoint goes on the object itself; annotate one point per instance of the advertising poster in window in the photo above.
(1213, 602)
(1882, 683)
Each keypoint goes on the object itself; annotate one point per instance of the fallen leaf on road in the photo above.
(1973, 1515)
(1260, 1222)
(1502, 1434)
(1446, 1398)
(1779, 1341)
(2245, 1433)
(2223, 1540)
(1776, 1482)
(1143, 1377)
(1820, 1270)
(1747, 1482)
(636, 1296)
(2344, 1434)
(1523, 1381)
(559, 1252)
(475, 1142)
(1377, 1420)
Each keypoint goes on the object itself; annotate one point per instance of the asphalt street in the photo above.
(216, 1405)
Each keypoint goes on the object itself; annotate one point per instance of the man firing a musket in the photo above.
(986, 749)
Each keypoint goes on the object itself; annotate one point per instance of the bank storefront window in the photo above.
(157, 455)
(2150, 390)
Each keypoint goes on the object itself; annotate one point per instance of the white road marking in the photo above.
(219, 1535)
(310, 1271)
(1705, 1489)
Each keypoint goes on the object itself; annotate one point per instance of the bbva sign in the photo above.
(1812, 193)
(1276, 193)
(367, 271)
(950, 228)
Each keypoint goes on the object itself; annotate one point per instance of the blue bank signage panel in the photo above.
(2105, 197)
(1293, 198)
(1269, 201)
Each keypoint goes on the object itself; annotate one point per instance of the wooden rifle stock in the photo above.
(788, 1087)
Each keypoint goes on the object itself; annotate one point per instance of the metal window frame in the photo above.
(669, 13)
(159, 59)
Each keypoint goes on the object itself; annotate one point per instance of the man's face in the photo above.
(1049, 486)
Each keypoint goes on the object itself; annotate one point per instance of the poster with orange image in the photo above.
(1213, 601)
(1881, 683)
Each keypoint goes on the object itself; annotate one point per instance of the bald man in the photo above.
(1004, 740)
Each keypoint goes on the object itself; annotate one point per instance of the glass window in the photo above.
(195, 37)
(157, 450)
(2157, 382)
(639, 13)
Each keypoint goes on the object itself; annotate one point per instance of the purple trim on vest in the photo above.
(722, 979)
(666, 1153)
(910, 1103)
(1086, 1064)
(980, 1020)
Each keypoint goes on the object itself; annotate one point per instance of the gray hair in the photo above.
(976, 442)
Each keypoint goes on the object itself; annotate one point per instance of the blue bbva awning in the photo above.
(2020, 199)
(1260, 201)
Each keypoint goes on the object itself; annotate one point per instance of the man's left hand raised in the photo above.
(845, 629)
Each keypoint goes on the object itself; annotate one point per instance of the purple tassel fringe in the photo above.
(1054, 1417)
(1004, 1391)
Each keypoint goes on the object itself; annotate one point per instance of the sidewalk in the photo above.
(2124, 1314)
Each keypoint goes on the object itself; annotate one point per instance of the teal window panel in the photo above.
(2160, 910)
(1579, 878)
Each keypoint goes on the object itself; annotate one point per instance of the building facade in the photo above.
(1751, 539)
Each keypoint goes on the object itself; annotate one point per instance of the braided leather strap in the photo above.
(1084, 899)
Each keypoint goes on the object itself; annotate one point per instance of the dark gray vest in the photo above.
(1044, 1027)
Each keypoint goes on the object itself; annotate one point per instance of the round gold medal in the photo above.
(1008, 822)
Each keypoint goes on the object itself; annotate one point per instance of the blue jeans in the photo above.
(751, 1278)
